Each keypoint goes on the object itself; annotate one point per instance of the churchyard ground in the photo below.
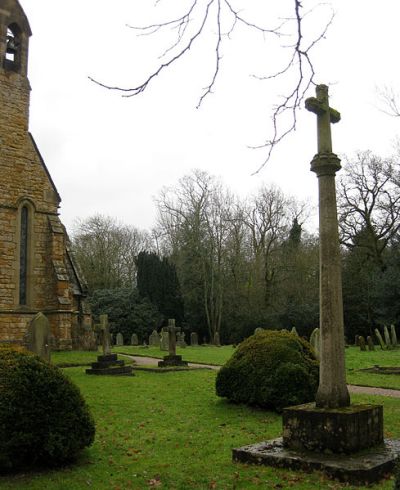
(172, 432)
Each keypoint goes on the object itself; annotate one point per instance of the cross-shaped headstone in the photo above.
(105, 330)
(319, 105)
(172, 336)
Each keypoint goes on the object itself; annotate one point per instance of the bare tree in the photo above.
(200, 19)
(369, 204)
(389, 101)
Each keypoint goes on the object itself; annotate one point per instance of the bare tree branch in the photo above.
(202, 17)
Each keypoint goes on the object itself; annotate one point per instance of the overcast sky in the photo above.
(112, 155)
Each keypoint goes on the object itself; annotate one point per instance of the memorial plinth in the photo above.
(343, 440)
(172, 360)
(110, 365)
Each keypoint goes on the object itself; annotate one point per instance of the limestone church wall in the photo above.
(37, 271)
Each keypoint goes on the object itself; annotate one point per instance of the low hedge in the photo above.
(271, 369)
(44, 419)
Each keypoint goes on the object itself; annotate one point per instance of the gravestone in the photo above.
(370, 343)
(351, 435)
(217, 340)
(194, 339)
(294, 331)
(387, 337)
(380, 339)
(164, 341)
(108, 364)
(38, 336)
(393, 335)
(180, 340)
(258, 330)
(134, 339)
(119, 340)
(356, 340)
(172, 359)
(315, 341)
(361, 342)
(154, 339)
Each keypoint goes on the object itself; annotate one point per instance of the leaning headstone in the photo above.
(38, 338)
(387, 337)
(119, 340)
(164, 341)
(315, 341)
(370, 343)
(361, 342)
(380, 339)
(134, 339)
(154, 339)
(194, 339)
(393, 335)
(217, 341)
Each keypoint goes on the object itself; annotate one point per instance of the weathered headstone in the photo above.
(194, 339)
(315, 341)
(38, 338)
(217, 341)
(380, 339)
(370, 343)
(134, 339)
(294, 331)
(180, 340)
(154, 339)
(258, 330)
(172, 359)
(119, 339)
(164, 341)
(393, 335)
(387, 337)
(361, 342)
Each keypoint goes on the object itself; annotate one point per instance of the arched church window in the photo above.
(23, 256)
(12, 46)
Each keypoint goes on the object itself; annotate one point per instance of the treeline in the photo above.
(217, 263)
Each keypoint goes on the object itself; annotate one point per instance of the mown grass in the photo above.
(202, 354)
(172, 432)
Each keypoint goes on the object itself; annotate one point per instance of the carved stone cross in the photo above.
(172, 336)
(105, 330)
(319, 105)
(332, 391)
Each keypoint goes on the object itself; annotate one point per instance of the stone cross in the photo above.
(325, 116)
(332, 390)
(105, 330)
(172, 337)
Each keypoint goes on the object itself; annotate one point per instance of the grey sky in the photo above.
(111, 155)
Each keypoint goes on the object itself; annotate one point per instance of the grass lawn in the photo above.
(172, 432)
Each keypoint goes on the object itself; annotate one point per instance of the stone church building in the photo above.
(37, 269)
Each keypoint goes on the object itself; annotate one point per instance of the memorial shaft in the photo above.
(332, 391)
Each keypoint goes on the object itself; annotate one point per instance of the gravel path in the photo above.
(367, 390)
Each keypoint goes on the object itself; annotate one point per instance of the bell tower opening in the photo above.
(12, 59)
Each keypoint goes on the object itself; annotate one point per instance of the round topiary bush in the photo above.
(44, 419)
(271, 369)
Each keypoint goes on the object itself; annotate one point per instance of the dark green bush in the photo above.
(44, 419)
(272, 370)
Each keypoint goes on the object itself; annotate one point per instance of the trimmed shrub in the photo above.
(44, 419)
(271, 369)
